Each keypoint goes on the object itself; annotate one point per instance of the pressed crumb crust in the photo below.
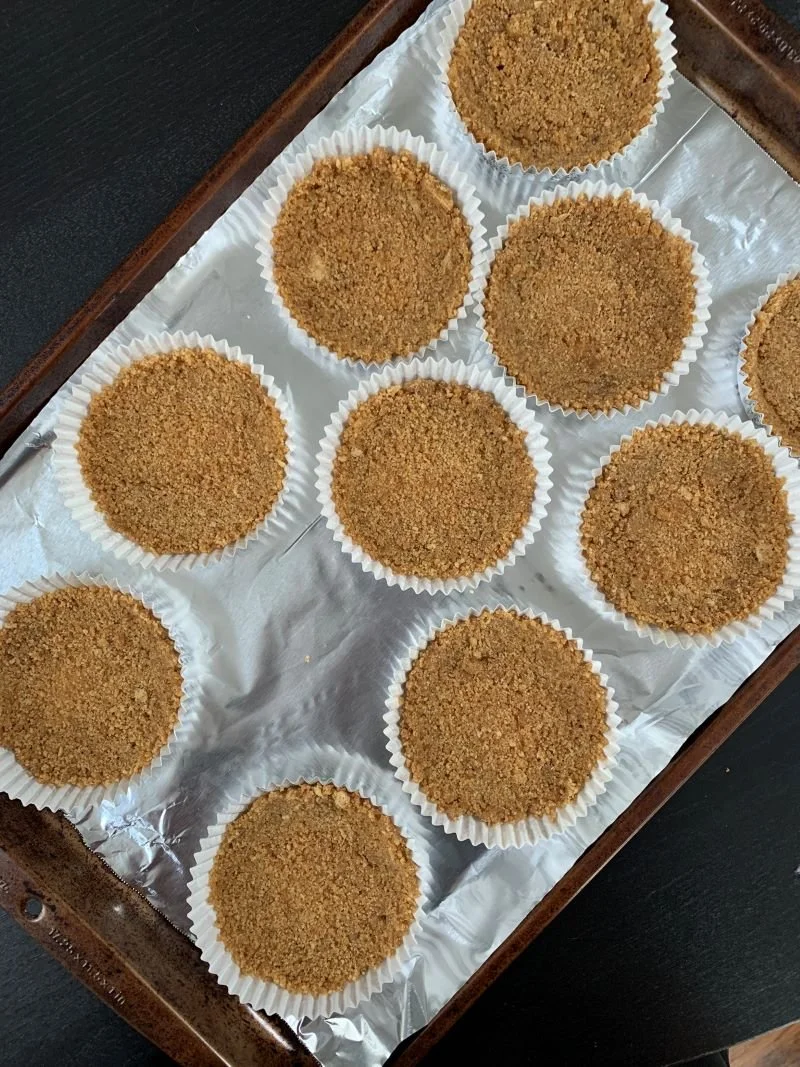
(589, 302)
(502, 718)
(433, 479)
(555, 83)
(312, 886)
(772, 363)
(371, 255)
(183, 452)
(687, 528)
(90, 686)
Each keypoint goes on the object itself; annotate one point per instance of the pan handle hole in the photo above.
(33, 909)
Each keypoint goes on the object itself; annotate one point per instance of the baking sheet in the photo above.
(299, 642)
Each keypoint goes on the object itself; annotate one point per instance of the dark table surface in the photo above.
(690, 940)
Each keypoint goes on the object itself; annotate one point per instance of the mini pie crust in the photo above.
(548, 84)
(371, 255)
(313, 886)
(772, 363)
(687, 528)
(502, 718)
(183, 452)
(433, 479)
(90, 686)
(589, 302)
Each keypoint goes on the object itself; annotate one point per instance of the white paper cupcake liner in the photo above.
(101, 370)
(19, 784)
(512, 402)
(693, 341)
(745, 391)
(468, 828)
(786, 468)
(610, 169)
(325, 765)
(360, 140)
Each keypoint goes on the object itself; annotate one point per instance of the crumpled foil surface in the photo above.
(299, 642)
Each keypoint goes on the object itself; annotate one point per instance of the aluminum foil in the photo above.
(298, 641)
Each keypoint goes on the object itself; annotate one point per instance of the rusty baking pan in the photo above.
(105, 933)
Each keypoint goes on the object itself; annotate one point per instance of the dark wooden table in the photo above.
(690, 940)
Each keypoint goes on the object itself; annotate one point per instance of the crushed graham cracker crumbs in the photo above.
(687, 528)
(183, 452)
(372, 255)
(502, 719)
(312, 887)
(90, 686)
(772, 363)
(433, 479)
(589, 301)
(555, 83)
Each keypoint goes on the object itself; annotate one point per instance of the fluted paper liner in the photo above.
(101, 370)
(693, 341)
(745, 390)
(787, 470)
(314, 764)
(609, 168)
(359, 140)
(19, 784)
(444, 371)
(528, 831)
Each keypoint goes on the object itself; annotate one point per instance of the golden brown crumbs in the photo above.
(372, 255)
(183, 452)
(433, 479)
(502, 719)
(687, 528)
(555, 84)
(90, 686)
(589, 301)
(772, 363)
(312, 886)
